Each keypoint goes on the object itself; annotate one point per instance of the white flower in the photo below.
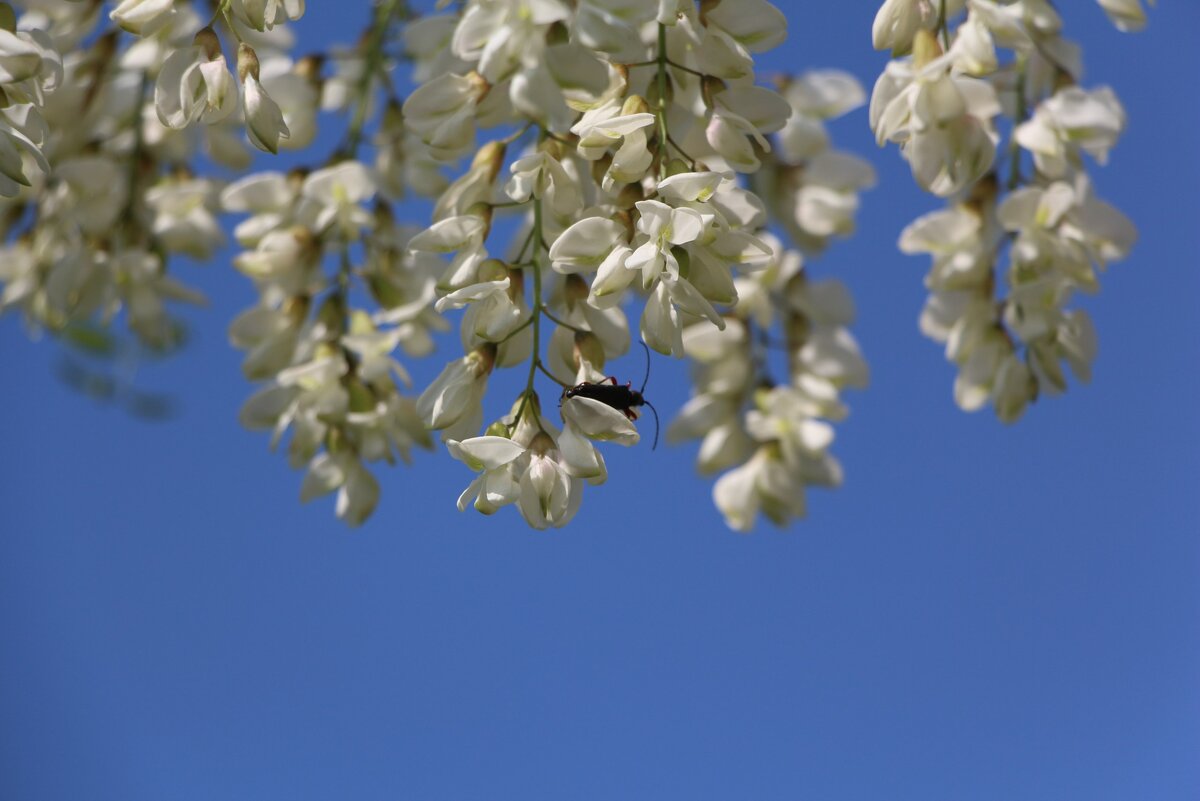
(549, 494)
(612, 26)
(264, 120)
(1071, 121)
(962, 251)
(586, 245)
(442, 113)
(541, 175)
(140, 16)
(493, 312)
(263, 15)
(608, 124)
(814, 97)
(184, 220)
(338, 191)
(662, 325)
(358, 491)
(464, 236)
(755, 25)
(942, 122)
(662, 227)
(372, 349)
(267, 196)
(493, 458)
(15, 151)
(195, 84)
(1127, 15)
(285, 258)
(452, 403)
(270, 336)
(298, 101)
(598, 421)
(763, 484)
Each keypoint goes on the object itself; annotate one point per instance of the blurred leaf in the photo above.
(91, 339)
(95, 385)
(173, 340)
(150, 406)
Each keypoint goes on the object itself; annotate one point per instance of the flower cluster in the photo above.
(328, 368)
(624, 130)
(106, 195)
(602, 174)
(945, 102)
(772, 437)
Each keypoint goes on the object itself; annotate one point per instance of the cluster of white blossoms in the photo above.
(946, 101)
(603, 174)
(98, 183)
(330, 376)
(625, 128)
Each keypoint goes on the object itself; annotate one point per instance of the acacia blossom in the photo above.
(1009, 332)
(601, 174)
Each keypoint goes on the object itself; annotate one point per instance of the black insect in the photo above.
(621, 397)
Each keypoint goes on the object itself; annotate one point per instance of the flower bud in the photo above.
(247, 62)
(332, 314)
(296, 308)
(634, 104)
(516, 285)
(208, 42)
(8, 18)
(483, 211)
(490, 155)
(925, 48)
(264, 120)
(492, 270)
(575, 288)
(542, 443)
(483, 358)
(588, 348)
(710, 87)
(136, 16)
(362, 399)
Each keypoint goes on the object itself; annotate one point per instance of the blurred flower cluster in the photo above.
(965, 74)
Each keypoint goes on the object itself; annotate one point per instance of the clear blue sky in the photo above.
(981, 614)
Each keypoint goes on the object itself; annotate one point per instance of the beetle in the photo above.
(621, 397)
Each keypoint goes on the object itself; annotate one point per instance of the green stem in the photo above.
(562, 323)
(661, 112)
(129, 212)
(535, 351)
(385, 12)
(551, 376)
(1014, 149)
(219, 11)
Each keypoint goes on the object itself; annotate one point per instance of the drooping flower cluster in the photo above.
(101, 150)
(772, 437)
(601, 171)
(328, 368)
(624, 129)
(944, 102)
(91, 234)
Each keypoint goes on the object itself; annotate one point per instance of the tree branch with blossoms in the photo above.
(633, 163)
(1008, 333)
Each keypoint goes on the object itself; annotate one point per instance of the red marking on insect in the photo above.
(622, 397)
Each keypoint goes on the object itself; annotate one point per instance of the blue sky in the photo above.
(981, 613)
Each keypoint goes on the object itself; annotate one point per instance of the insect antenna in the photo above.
(647, 378)
(655, 411)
